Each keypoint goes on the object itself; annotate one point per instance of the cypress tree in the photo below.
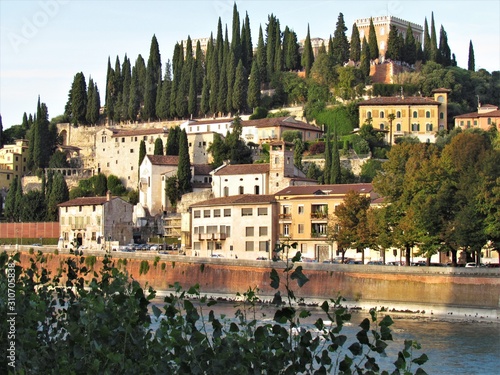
(307, 54)
(253, 97)
(365, 58)
(100, 185)
(172, 147)
(427, 42)
(163, 107)
(142, 152)
(231, 73)
(158, 147)
(372, 41)
(25, 125)
(270, 45)
(214, 82)
(205, 97)
(261, 57)
(149, 110)
(110, 91)
(1, 136)
(433, 54)
(335, 172)
(133, 102)
(181, 105)
(218, 151)
(127, 78)
(355, 51)
(79, 99)
(184, 167)
(10, 207)
(340, 52)
(18, 201)
(223, 89)
(59, 193)
(393, 51)
(240, 89)
(290, 50)
(410, 49)
(328, 156)
(444, 53)
(471, 65)
(278, 49)
(192, 96)
(236, 39)
(140, 66)
(200, 73)
(154, 54)
(246, 44)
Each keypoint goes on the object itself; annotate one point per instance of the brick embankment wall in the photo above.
(441, 286)
(18, 231)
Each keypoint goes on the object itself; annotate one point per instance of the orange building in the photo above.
(486, 116)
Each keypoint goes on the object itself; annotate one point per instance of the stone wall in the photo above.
(433, 286)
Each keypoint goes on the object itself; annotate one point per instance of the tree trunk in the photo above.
(407, 255)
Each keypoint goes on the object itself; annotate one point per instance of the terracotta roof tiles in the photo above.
(233, 169)
(163, 159)
(397, 100)
(237, 199)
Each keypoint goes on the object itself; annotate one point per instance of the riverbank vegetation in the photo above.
(102, 321)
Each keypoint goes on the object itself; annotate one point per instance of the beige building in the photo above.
(241, 226)
(228, 180)
(413, 116)
(304, 213)
(98, 223)
(117, 151)
(486, 116)
(382, 25)
(13, 159)
(271, 129)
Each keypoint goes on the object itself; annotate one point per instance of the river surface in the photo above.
(454, 346)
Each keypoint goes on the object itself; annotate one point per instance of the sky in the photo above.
(44, 43)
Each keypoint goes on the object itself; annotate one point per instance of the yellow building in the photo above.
(13, 159)
(486, 116)
(415, 116)
(304, 212)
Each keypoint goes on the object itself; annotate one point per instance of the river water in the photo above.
(454, 346)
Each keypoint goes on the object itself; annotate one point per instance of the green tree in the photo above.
(444, 52)
(410, 49)
(158, 147)
(261, 57)
(365, 58)
(78, 99)
(134, 97)
(33, 208)
(307, 54)
(59, 193)
(335, 171)
(218, 150)
(193, 96)
(172, 190)
(100, 184)
(172, 147)
(427, 42)
(298, 150)
(184, 167)
(394, 46)
(372, 41)
(328, 155)
(58, 160)
(142, 152)
(115, 185)
(433, 50)
(291, 53)
(11, 210)
(355, 51)
(240, 89)
(471, 65)
(253, 96)
(340, 51)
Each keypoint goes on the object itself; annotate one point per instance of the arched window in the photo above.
(398, 114)
(226, 191)
(428, 114)
(428, 127)
(381, 126)
(398, 127)
(382, 114)
(369, 114)
(241, 190)
(441, 115)
(415, 114)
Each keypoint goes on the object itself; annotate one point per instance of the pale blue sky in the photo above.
(44, 43)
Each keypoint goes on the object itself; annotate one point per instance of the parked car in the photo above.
(375, 263)
(217, 256)
(472, 264)
(262, 258)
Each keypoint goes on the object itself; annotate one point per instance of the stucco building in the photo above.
(267, 130)
(95, 222)
(304, 214)
(241, 226)
(486, 116)
(13, 160)
(416, 116)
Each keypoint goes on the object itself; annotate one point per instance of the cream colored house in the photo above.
(154, 171)
(304, 213)
(241, 226)
(268, 130)
(221, 126)
(97, 223)
(13, 162)
(258, 179)
(415, 116)
(486, 116)
(117, 151)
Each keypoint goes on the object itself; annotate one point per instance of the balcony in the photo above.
(317, 235)
(210, 236)
(285, 216)
(319, 215)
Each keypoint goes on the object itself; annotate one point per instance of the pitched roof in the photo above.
(202, 169)
(138, 132)
(85, 201)
(233, 169)
(338, 189)
(211, 121)
(288, 122)
(163, 159)
(477, 115)
(397, 100)
(237, 199)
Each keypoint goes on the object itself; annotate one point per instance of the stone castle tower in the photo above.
(281, 167)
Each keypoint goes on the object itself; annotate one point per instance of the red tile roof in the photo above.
(477, 115)
(237, 199)
(138, 132)
(202, 169)
(163, 159)
(288, 122)
(85, 201)
(339, 189)
(397, 100)
(233, 169)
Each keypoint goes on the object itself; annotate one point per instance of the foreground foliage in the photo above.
(67, 325)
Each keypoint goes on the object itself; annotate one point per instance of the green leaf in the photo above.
(386, 322)
(421, 360)
(275, 279)
(356, 349)
(365, 325)
(299, 276)
(285, 314)
(156, 311)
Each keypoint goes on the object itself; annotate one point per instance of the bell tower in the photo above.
(281, 165)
